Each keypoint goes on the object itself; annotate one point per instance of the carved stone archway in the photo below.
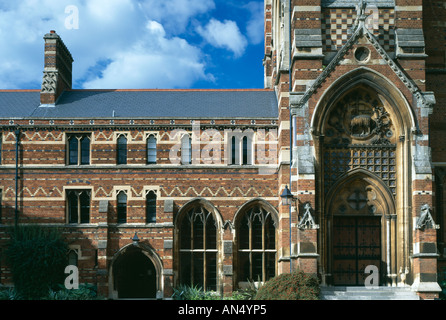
(360, 224)
(136, 272)
(363, 136)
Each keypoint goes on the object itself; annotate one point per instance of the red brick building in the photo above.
(348, 120)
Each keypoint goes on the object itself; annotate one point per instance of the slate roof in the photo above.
(148, 104)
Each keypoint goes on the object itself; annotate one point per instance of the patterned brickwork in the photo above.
(336, 24)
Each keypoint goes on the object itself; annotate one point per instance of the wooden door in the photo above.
(356, 245)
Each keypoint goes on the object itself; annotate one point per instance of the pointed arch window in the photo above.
(151, 207)
(122, 150)
(198, 248)
(122, 207)
(151, 150)
(73, 258)
(79, 206)
(79, 149)
(241, 149)
(256, 245)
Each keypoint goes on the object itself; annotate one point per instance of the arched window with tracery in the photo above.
(256, 234)
(198, 248)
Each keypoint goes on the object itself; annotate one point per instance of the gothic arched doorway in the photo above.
(361, 157)
(359, 206)
(135, 275)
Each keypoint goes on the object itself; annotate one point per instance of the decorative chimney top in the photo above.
(57, 73)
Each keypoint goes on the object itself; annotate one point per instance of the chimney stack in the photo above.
(57, 73)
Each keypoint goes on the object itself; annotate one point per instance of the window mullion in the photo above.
(79, 150)
(79, 210)
(263, 251)
(204, 253)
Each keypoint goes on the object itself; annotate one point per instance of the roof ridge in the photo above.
(19, 90)
(171, 90)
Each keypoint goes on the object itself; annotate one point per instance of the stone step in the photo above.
(363, 293)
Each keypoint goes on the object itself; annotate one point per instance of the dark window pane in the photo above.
(233, 151)
(211, 271)
(198, 269)
(186, 268)
(256, 232)
(85, 207)
(245, 150)
(185, 233)
(270, 265)
(244, 266)
(73, 149)
(211, 232)
(72, 258)
(85, 150)
(198, 232)
(122, 150)
(151, 207)
(244, 233)
(73, 208)
(270, 234)
(122, 207)
(257, 266)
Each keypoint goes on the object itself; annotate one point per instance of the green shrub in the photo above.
(85, 292)
(294, 286)
(247, 293)
(37, 257)
(184, 292)
(9, 294)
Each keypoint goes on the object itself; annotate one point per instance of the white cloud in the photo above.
(225, 35)
(115, 31)
(175, 15)
(153, 62)
(255, 25)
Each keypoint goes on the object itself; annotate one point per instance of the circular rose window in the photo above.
(362, 54)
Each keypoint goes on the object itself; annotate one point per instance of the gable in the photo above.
(361, 33)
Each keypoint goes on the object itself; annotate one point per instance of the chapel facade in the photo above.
(158, 188)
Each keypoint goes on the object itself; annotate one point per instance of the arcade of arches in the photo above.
(199, 254)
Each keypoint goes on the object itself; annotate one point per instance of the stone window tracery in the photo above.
(359, 133)
(198, 248)
(256, 245)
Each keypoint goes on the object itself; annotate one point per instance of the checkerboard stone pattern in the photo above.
(337, 22)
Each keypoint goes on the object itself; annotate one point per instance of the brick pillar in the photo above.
(307, 234)
(228, 258)
(168, 263)
(425, 256)
(102, 245)
(307, 251)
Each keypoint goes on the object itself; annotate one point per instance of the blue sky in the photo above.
(136, 44)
